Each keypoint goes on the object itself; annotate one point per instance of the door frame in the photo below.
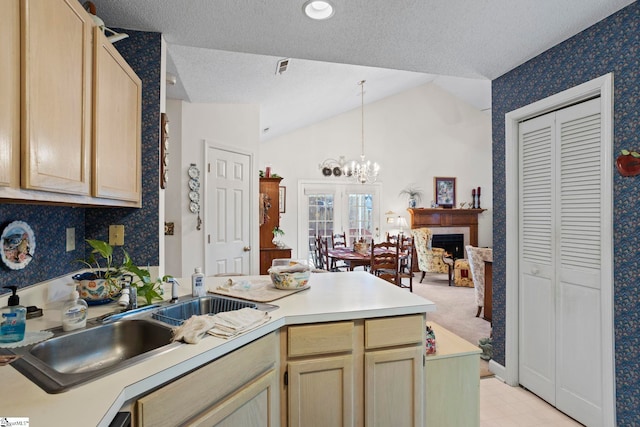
(207, 216)
(602, 87)
(303, 244)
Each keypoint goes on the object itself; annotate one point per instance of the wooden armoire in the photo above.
(270, 219)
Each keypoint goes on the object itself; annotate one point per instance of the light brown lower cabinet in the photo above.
(239, 389)
(362, 372)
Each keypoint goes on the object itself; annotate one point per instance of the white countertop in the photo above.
(330, 297)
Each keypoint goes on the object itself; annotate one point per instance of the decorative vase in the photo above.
(412, 202)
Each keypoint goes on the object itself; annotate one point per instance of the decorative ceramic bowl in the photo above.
(289, 273)
(296, 280)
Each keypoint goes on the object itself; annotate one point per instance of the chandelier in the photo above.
(363, 171)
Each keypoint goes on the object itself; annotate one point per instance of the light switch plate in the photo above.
(71, 239)
(116, 235)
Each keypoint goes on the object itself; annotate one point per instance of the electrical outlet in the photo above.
(116, 235)
(71, 239)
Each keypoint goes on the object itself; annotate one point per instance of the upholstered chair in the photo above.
(477, 257)
(430, 260)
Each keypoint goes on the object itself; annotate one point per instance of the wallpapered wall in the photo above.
(612, 45)
(142, 51)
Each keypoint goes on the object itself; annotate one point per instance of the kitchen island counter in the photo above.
(330, 297)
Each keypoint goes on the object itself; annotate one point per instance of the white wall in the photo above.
(415, 136)
(233, 125)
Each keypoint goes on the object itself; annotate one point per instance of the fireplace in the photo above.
(452, 243)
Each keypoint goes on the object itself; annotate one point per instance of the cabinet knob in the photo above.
(535, 270)
(246, 248)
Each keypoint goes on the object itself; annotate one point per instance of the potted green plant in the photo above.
(277, 235)
(107, 277)
(414, 193)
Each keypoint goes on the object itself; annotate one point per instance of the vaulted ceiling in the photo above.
(227, 51)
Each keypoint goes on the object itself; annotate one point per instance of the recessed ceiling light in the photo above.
(318, 9)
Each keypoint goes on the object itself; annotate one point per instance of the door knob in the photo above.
(246, 248)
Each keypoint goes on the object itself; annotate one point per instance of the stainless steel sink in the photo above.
(73, 358)
(176, 314)
(112, 342)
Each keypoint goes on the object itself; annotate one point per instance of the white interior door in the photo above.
(227, 228)
(561, 259)
(537, 309)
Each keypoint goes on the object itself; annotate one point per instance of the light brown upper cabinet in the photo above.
(56, 96)
(10, 93)
(117, 125)
(70, 109)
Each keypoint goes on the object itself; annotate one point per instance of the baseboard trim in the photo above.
(498, 370)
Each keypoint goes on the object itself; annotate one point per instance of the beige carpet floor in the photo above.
(455, 310)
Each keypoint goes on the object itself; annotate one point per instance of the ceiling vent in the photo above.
(282, 66)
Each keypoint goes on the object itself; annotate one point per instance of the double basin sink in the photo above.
(111, 343)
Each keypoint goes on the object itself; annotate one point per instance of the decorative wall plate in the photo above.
(194, 184)
(193, 171)
(18, 245)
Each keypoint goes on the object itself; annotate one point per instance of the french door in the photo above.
(331, 208)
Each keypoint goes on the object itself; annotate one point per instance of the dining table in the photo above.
(350, 257)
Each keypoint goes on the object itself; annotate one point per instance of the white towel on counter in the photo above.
(232, 323)
(223, 325)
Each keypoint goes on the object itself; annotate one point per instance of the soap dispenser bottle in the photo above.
(197, 283)
(13, 319)
(74, 313)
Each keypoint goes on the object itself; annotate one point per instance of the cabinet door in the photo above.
(56, 98)
(10, 93)
(321, 392)
(117, 128)
(393, 387)
(252, 406)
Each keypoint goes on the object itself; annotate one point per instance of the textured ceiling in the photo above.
(227, 51)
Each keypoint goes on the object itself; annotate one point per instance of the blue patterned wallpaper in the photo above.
(612, 45)
(142, 51)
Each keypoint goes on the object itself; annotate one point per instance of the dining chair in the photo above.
(384, 261)
(339, 240)
(318, 258)
(405, 261)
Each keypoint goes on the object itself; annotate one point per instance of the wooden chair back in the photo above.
(339, 240)
(384, 261)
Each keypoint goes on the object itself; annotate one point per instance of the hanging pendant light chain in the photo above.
(363, 171)
(362, 115)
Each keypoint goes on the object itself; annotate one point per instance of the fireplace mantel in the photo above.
(440, 217)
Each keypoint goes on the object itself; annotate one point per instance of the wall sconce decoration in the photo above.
(194, 192)
(333, 167)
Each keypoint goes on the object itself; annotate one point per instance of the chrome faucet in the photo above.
(133, 297)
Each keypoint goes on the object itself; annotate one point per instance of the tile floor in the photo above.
(505, 406)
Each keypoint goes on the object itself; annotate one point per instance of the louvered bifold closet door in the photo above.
(537, 313)
(578, 301)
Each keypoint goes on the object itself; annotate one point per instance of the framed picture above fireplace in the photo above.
(444, 191)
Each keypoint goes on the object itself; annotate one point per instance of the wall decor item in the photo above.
(18, 245)
(628, 163)
(164, 150)
(282, 201)
(444, 191)
(169, 228)
(194, 192)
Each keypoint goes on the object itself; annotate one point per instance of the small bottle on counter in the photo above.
(12, 319)
(74, 313)
(197, 283)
